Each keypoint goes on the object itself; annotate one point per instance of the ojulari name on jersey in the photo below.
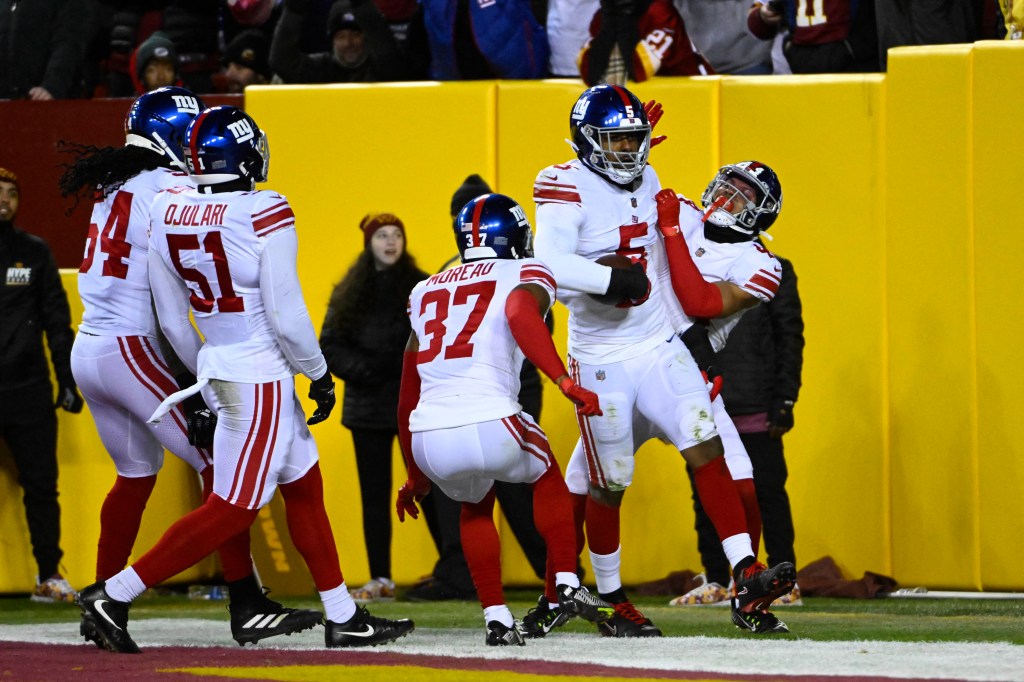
(462, 273)
(188, 216)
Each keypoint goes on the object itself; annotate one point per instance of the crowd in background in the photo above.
(60, 49)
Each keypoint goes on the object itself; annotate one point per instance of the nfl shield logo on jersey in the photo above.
(599, 375)
(699, 252)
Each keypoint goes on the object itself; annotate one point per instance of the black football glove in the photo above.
(322, 391)
(201, 420)
(69, 399)
(628, 284)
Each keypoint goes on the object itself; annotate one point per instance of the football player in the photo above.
(119, 363)
(460, 424)
(603, 202)
(227, 253)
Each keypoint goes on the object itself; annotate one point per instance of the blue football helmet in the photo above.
(225, 144)
(493, 226)
(600, 116)
(158, 119)
(730, 207)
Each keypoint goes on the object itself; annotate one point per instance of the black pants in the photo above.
(28, 425)
(770, 474)
(516, 500)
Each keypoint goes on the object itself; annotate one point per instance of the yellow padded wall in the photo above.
(84, 477)
(822, 137)
(338, 152)
(930, 234)
(998, 223)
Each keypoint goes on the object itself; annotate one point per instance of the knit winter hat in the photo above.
(156, 46)
(341, 17)
(249, 48)
(8, 176)
(471, 188)
(374, 221)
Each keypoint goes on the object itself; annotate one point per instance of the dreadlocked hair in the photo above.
(98, 171)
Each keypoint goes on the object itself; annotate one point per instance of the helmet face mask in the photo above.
(493, 226)
(745, 197)
(602, 120)
(158, 120)
(224, 145)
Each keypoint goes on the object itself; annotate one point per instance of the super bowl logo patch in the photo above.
(19, 276)
(599, 375)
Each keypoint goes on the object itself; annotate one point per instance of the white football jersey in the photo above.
(578, 209)
(113, 280)
(468, 361)
(215, 243)
(748, 265)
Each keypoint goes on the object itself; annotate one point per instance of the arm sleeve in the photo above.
(408, 397)
(786, 316)
(345, 361)
(557, 238)
(522, 310)
(67, 47)
(698, 297)
(388, 60)
(170, 299)
(285, 306)
(56, 316)
(757, 26)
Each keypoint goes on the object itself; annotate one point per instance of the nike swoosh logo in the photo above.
(551, 176)
(99, 608)
(366, 633)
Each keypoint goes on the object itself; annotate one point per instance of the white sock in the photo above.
(606, 570)
(125, 586)
(338, 605)
(737, 547)
(499, 613)
(570, 579)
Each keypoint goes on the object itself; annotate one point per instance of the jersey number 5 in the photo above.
(227, 302)
(442, 299)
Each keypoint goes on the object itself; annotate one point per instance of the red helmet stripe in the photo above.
(477, 210)
(623, 94)
(192, 142)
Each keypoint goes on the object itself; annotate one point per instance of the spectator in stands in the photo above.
(155, 64)
(405, 19)
(485, 40)
(567, 34)
(42, 44)
(246, 61)
(719, 30)
(364, 48)
(34, 302)
(1012, 19)
(636, 39)
(840, 39)
(923, 22)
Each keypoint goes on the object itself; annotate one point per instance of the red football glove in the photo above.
(409, 494)
(668, 212)
(587, 402)
(654, 112)
(714, 383)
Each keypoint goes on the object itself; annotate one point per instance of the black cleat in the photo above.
(758, 586)
(542, 619)
(105, 621)
(264, 617)
(362, 629)
(579, 601)
(628, 622)
(759, 622)
(499, 634)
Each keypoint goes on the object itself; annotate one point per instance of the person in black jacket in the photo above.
(364, 49)
(363, 339)
(34, 302)
(761, 364)
(41, 47)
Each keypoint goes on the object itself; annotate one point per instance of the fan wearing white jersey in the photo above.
(121, 366)
(627, 352)
(713, 254)
(227, 254)
(460, 424)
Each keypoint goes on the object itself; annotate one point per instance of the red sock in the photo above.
(552, 511)
(311, 529)
(482, 548)
(120, 517)
(578, 503)
(752, 511)
(191, 538)
(719, 497)
(602, 527)
(234, 555)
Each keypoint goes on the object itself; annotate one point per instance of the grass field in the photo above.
(819, 619)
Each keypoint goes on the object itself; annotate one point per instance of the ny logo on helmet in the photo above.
(519, 214)
(580, 110)
(241, 130)
(186, 104)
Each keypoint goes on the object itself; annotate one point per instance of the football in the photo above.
(619, 262)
